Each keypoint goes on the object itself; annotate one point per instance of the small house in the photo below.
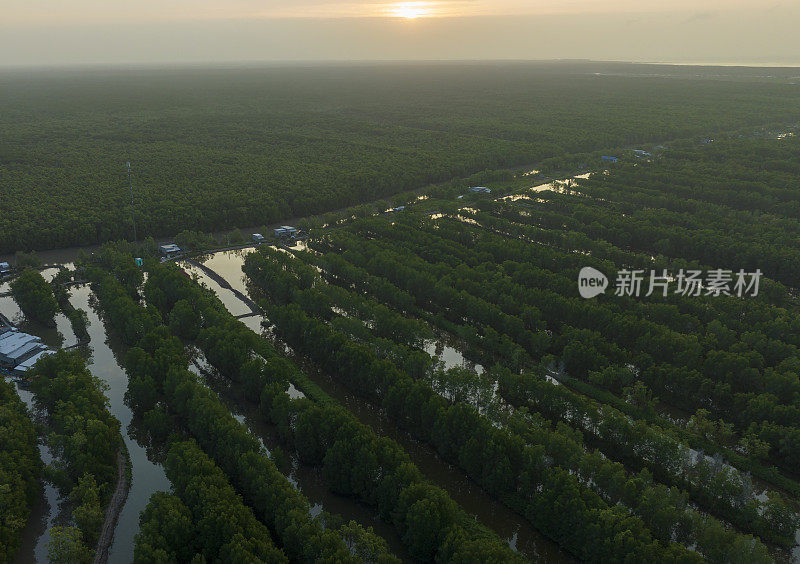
(258, 238)
(480, 190)
(169, 251)
(285, 231)
(641, 153)
(5, 268)
(610, 159)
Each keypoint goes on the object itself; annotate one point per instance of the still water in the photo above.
(516, 530)
(146, 476)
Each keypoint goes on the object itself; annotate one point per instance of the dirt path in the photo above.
(113, 510)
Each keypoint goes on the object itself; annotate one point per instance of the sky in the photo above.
(111, 32)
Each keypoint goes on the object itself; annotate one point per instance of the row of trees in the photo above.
(204, 520)
(85, 439)
(712, 483)
(714, 497)
(500, 461)
(169, 397)
(486, 271)
(355, 461)
(20, 469)
(341, 272)
(78, 318)
(600, 473)
(746, 317)
(597, 332)
(746, 369)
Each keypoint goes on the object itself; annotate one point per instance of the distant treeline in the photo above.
(215, 149)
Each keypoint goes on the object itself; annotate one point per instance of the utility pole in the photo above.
(133, 216)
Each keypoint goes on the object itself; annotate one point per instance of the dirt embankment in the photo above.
(113, 510)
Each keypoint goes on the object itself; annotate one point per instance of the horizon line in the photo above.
(359, 62)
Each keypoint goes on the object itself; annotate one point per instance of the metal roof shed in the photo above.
(21, 353)
(28, 364)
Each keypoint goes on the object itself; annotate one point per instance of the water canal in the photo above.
(147, 476)
(520, 534)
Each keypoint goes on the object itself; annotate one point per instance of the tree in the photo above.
(641, 397)
(88, 514)
(35, 297)
(363, 543)
(66, 547)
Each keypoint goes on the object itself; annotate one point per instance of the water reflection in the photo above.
(308, 479)
(147, 476)
(450, 356)
(49, 512)
(518, 532)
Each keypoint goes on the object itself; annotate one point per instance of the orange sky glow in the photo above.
(95, 11)
(55, 32)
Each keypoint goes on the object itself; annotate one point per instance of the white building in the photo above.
(285, 231)
(169, 251)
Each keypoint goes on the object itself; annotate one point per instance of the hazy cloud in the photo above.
(194, 31)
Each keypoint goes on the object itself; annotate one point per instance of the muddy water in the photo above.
(229, 265)
(236, 306)
(516, 530)
(147, 477)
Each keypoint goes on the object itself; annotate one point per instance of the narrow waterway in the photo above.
(147, 476)
(307, 479)
(518, 532)
(48, 512)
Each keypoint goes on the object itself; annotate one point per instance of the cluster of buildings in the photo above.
(283, 233)
(19, 351)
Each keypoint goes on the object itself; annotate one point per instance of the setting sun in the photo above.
(411, 10)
